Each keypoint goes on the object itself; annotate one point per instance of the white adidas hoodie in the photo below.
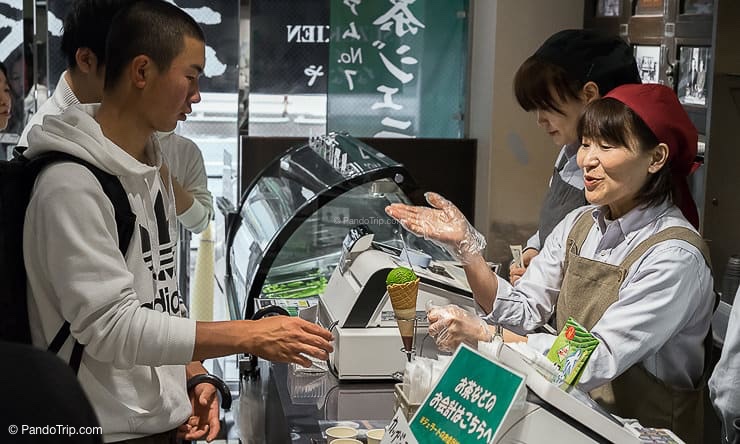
(123, 309)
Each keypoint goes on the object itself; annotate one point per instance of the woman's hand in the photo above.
(515, 273)
(451, 325)
(443, 223)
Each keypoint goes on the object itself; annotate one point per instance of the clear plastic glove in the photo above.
(450, 325)
(443, 224)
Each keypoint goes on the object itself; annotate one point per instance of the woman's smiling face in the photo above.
(613, 175)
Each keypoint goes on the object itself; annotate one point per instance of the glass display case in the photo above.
(285, 238)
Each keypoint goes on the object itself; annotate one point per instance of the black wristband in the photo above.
(216, 382)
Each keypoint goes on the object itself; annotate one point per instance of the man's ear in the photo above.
(659, 158)
(86, 60)
(590, 92)
(140, 70)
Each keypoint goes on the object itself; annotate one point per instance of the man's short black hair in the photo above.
(153, 28)
(86, 26)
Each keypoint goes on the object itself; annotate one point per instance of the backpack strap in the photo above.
(125, 224)
(125, 218)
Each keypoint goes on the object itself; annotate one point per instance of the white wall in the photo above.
(515, 157)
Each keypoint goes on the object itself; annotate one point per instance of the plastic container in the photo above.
(408, 409)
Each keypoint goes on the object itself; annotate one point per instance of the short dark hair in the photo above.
(569, 59)
(86, 26)
(535, 82)
(153, 28)
(615, 123)
(4, 70)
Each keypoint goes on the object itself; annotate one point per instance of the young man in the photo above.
(123, 309)
(83, 44)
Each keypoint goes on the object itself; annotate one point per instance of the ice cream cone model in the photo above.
(403, 288)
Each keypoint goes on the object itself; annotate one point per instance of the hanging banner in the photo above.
(397, 67)
(289, 46)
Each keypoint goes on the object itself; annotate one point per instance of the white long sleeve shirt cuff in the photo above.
(180, 341)
(534, 242)
(195, 218)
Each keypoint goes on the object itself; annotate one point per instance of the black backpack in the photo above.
(17, 178)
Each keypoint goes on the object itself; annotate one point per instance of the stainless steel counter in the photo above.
(284, 406)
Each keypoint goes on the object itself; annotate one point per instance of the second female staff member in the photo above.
(630, 268)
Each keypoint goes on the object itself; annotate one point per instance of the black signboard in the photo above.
(289, 46)
(218, 18)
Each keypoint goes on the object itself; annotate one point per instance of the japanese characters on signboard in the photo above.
(377, 87)
(470, 401)
(289, 46)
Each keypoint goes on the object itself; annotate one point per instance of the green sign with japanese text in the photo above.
(469, 403)
(398, 68)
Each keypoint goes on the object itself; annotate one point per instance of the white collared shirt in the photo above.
(723, 386)
(664, 307)
(62, 99)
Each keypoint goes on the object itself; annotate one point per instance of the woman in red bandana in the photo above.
(630, 267)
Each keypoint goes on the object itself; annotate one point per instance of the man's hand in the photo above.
(204, 422)
(287, 339)
(515, 273)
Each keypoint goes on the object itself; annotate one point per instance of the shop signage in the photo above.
(289, 46)
(394, 69)
(398, 431)
(470, 401)
(219, 20)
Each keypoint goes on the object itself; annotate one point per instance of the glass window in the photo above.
(371, 68)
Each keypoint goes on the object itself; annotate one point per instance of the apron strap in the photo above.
(577, 236)
(692, 238)
(679, 233)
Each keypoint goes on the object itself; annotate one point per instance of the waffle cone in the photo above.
(403, 299)
(405, 327)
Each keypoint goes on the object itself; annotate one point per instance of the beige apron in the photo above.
(589, 288)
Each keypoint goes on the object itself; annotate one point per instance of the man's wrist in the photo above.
(215, 381)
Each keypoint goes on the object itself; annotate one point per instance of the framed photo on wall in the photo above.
(648, 63)
(697, 7)
(648, 7)
(692, 75)
(609, 8)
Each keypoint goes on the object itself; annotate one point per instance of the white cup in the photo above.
(346, 441)
(374, 436)
(334, 434)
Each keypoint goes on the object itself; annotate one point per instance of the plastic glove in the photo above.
(443, 223)
(450, 325)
